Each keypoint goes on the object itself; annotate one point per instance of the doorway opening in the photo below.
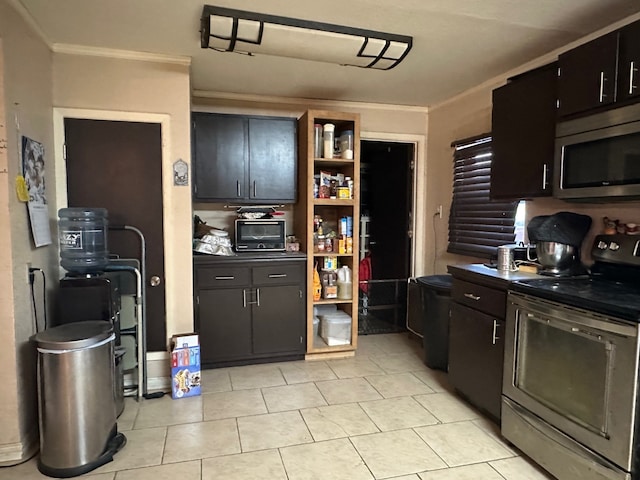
(386, 234)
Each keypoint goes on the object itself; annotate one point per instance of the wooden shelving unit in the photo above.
(331, 211)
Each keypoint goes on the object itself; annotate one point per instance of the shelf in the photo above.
(331, 210)
(330, 162)
(331, 301)
(334, 202)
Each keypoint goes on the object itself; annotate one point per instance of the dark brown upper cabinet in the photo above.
(244, 159)
(600, 74)
(523, 134)
(587, 76)
(629, 62)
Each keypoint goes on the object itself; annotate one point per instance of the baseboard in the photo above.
(158, 372)
(15, 453)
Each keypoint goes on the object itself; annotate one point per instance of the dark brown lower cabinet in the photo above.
(250, 311)
(476, 352)
(476, 344)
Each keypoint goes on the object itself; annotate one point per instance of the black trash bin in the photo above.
(435, 296)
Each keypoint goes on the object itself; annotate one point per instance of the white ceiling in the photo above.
(457, 43)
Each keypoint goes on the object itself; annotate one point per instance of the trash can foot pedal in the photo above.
(113, 446)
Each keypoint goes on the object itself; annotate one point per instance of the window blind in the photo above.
(477, 224)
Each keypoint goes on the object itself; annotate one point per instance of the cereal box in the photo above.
(185, 365)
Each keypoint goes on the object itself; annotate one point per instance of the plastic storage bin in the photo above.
(335, 328)
(76, 398)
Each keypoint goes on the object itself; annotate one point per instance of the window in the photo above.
(477, 225)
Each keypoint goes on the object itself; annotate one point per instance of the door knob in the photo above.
(154, 281)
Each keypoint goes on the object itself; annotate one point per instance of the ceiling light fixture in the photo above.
(228, 30)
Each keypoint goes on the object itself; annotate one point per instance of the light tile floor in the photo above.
(381, 414)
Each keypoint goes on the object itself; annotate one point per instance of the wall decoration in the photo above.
(180, 173)
(33, 172)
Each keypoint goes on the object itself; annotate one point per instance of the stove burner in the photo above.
(575, 270)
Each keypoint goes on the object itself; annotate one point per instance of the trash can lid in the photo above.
(74, 335)
(440, 283)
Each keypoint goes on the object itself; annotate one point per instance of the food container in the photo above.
(335, 328)
(328, 136)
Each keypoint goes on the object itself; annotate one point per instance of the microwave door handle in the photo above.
(255, 189)
(238, 188)
(560, 181)
(602, 80)
(632, 71)
(544, 176)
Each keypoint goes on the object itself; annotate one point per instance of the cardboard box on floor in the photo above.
(185, 365)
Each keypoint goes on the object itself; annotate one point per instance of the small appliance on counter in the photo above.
(558, 238)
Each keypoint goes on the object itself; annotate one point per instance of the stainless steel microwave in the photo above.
(260, 235)
(598, 157)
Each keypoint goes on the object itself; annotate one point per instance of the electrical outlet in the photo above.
(439, 212)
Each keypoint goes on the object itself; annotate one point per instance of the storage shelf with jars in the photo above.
(327, 224)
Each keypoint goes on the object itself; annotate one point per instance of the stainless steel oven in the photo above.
(569, 388)
(570, 385)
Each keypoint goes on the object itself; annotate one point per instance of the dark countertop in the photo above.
(204, 259)
(480, 273)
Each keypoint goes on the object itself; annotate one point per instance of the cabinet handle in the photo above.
(244, 298)
(229, 277)
(472, 296)
(602, 80)
(495, 330)
(238, 188)
(255, 189)
(277, 275)
(632, 71)
(544, 176)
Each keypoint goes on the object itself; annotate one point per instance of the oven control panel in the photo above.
(623, 249)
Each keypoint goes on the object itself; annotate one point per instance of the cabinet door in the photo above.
(272, 159)
(523, 131)
(220, 157)
(476, 351)
(588, 75)
(279, 320)
(224, 325)
(629, 62)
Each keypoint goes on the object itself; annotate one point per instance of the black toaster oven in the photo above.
(260, 235)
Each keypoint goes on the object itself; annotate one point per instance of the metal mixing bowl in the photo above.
(555, 256)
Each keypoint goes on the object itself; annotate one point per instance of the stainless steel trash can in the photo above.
(76, 398)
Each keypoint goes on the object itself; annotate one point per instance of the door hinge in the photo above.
(559, 71)
(300, 292)
(412, 165)
(64, 151)
(557, 103)
(300, 339)
(197, 299)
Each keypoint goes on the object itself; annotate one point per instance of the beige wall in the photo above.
(126, 89)
(25, 104)
(467, 115)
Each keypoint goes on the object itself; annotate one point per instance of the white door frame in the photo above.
(419, 193)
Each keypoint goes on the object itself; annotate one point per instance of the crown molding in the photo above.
(70, 49)
(329, 104)
(26, 16)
